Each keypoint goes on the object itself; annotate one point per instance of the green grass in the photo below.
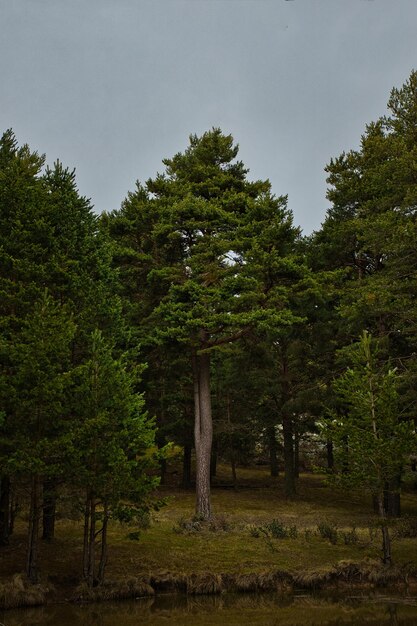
(257, 500)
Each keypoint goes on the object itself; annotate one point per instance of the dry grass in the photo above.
(228, 556)
(18, 592)
(120, 590)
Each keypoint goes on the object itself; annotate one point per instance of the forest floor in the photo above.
(239, 542)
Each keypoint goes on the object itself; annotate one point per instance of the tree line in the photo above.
(198, 314)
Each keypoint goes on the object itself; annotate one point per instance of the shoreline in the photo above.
(345, 575)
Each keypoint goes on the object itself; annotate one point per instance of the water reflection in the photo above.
(230, 609)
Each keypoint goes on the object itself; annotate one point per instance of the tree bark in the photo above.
(273, 451)
(288, 432)
(32, 568)
(103, 554)
(4, 510)
(296, 454)
(91, 543)
(392, 498)
(386, 540)
(289, 479)
(162, 470)
(14, 508)
(161, 442)
(233, 468)
(330, 455)
(49, 508)
(86, 535)
(89, 539)
(203, 433)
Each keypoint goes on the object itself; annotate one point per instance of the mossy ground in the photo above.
(257, 500)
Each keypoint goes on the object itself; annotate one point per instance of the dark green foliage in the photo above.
(70, 410)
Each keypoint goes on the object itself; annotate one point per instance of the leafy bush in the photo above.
(134, 536)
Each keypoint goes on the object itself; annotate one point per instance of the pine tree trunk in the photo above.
(392, 498)
(330, 455)
(288, 432)
(49, 508)
(32, 570)
(233, 467)
(386, 540)
(273, 451)
(103, 554)
(4, 510)
(14, 508)
(296, 454)
(161, 442)
(203, 432)
(91, 544)
(86, 535)
(162, 470)
(289, 479)
(186, 466)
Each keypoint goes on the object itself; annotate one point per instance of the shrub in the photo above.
(274, 529)
(351, 537)
(185, 526)
(406, 528)
(328, 531)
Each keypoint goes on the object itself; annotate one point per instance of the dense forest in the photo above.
(197, 322)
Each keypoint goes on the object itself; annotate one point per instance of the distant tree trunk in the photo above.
(289, 479)
(393, 615)
(161, 442)
(162, 470)
(14, 508)
(103, 554)
(49, 509)
(4, 510)
(345, 466)
(273, 451)
(386, 540)
(186, 466)
(330, 455)
(392, 498)
(288, 432)
(89, 555)
(32, 568)
(86, 535)
(414, 469)
(203, 432)
(296, 454)
(233, 467)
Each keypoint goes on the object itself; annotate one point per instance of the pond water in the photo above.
(228, 609)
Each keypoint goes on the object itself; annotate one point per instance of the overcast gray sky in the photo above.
(111, 87)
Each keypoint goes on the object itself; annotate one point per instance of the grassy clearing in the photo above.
(232, 548)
